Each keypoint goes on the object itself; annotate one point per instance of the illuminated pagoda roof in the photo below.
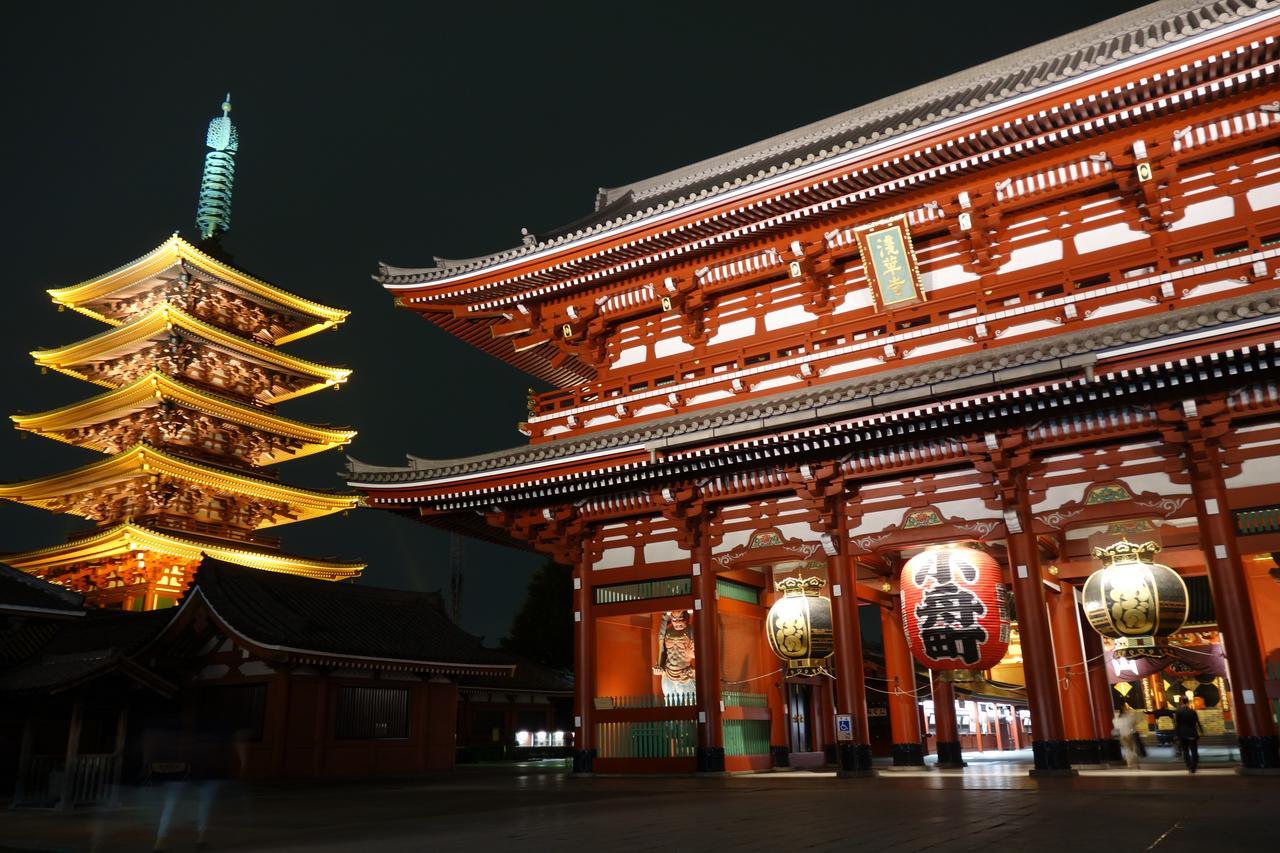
(127, 538)
(144, 462)
(163, 265)
(155, 389)
(157, 326)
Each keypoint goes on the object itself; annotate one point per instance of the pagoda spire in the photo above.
(213, 215)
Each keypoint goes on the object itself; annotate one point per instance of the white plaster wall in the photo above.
(1210, 210)
(1105, 237)
(615, 558)
(630, 355)
(670, 346)
(792, 315)
(662, 552)
(1034, 255)
(1260, 198)
(734, 330)
(943, 277)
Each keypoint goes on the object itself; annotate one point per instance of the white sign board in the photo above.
(844, 727)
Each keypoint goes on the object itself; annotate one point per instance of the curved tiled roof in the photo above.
(1061, 59)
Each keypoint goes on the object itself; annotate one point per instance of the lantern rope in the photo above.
(756, 678)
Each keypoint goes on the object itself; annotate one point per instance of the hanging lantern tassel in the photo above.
(799, 626)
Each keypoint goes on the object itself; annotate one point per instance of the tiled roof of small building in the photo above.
(20, 590)
(323, 619)
(1082, 51)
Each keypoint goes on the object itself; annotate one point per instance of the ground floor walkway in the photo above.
(992, 804)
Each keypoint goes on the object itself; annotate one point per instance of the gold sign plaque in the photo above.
(890, 262)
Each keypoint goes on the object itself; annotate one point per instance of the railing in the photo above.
(39, 782)
(42, 782)
(94, 780)
(645, 700)
(746, 737)
(640, 590)
(658, 739)
(737, 591)
(190, 525)
(733, 699)
(1264, 519)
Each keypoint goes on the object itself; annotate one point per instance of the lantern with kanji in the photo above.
(1134, 600)
(799, 626)
(954, 609)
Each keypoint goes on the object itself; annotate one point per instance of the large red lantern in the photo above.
(954, 608)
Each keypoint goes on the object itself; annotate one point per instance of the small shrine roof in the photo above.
(986, 372)
(175, 252)
(824, 143)
(155, 387)
(22, 593)
(143, 460)
(157, 324)
(126, 537)
(313, 621)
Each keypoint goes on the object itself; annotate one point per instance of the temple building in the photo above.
(1018, 314)
(192, 370)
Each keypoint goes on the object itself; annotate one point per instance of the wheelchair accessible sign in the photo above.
(844, 727)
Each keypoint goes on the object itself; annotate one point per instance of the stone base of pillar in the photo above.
(829, 753)
(1260, 752)
(710, 759)
(1051, 758)
(853, 759)
(908, 755)
(1111, 751)
(949, 755)
(1085, 752)
(781, 757)
(583, 759)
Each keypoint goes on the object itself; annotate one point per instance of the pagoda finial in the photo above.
(213, 215)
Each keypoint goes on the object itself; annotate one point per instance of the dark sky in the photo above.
(381, 131)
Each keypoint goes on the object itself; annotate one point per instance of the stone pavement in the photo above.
(990, 805)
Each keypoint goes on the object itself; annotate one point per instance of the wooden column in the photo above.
(706, 633)
(117, 754)
(24, 759)
(1255, 727)
(904, 713)
(278, 691)
(1073, 678)
(853, 758)
(66, 802)
(584, 662)
(1010, 458)
(1100, 696)
(947, 735)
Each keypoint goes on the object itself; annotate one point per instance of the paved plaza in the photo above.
(992, 804)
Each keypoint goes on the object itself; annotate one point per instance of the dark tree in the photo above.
(543, 628)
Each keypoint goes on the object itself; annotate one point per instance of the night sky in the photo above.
(396, 132)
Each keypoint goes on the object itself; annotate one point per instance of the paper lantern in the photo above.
(954, 608)
(1134, 600)
(799, 626)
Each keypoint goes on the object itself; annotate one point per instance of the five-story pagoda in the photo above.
(187, 424)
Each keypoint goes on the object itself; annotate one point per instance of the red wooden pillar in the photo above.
(1100, 696)
(1048, 746)
(904, 713)
(1073, 678)
(706, 632)
(1255, 727)
(947, 734)
(853, 758)
(584, 663)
